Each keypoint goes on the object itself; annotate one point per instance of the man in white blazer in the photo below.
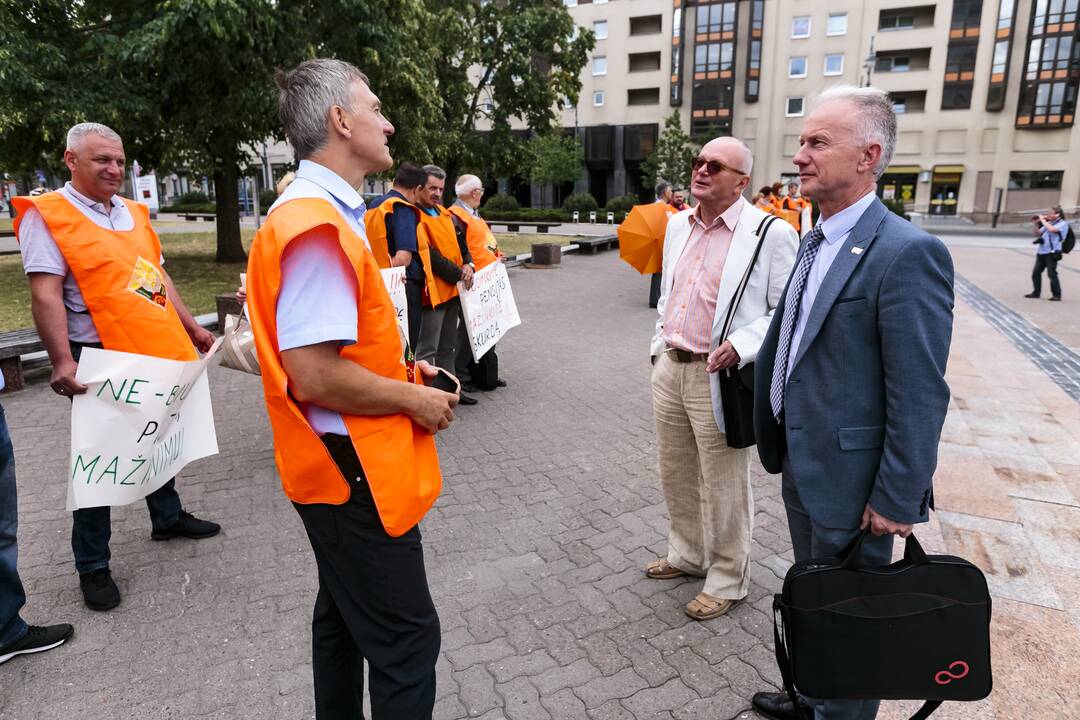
(706, 484)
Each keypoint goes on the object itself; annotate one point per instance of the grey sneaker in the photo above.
(37, 639)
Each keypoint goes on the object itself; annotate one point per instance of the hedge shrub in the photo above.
(582, 202)
(501, 202)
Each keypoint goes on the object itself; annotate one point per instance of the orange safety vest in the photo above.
(795, 205)
(398, 456)
(438, 231)
(479, 237)
(375, 225)
(120, 276)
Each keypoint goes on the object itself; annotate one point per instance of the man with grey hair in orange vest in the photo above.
(82, 248)
(353, 420)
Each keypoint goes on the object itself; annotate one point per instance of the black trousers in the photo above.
(373, 604)
(654, 289)
(1049, 262)
(414, 297)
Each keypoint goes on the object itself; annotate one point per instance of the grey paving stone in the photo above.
(599, 690)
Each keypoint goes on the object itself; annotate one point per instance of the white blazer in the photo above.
(763, 290)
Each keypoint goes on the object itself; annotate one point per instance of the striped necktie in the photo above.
(791, 319)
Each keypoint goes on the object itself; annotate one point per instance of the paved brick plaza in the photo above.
(549, 511)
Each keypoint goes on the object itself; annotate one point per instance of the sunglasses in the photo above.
(712, 166)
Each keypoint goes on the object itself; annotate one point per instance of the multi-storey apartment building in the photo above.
(985, 90)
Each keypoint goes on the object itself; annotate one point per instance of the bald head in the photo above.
(732, 152)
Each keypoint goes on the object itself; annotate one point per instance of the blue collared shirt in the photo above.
(1051, 240)
(401, 235)
(317, 181)
(836, 229)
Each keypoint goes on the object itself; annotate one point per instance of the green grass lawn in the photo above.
(5, 223)
(189, 258)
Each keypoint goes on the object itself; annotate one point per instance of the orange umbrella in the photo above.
(641, 237)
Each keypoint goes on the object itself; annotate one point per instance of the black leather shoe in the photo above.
(188, 526)
(99, 591)
(37, 639)
(467, 400)
(1055, 299)
(467, 386)
(777, 706)
(1032, 295)
(500, 383)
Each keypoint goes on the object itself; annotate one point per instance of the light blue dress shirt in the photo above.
(1051, 241)
(317, 299)
(836, 229)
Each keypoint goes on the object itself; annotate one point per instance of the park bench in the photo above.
(593, 245)
(13, 345)
(200, 216)
(516, 225)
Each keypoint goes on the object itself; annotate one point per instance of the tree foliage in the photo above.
(188, 83)
(554, 158)
(670, 159)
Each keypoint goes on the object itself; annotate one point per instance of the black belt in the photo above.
(685, 356)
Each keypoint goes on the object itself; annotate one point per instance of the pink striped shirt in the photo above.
(690, 307)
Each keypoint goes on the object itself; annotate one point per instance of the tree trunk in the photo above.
(230, 249)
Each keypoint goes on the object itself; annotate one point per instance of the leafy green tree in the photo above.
(554, 158)
(670, 159)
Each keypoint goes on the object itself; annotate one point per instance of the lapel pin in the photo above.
(856, 251)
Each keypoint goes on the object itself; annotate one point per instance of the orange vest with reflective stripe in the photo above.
(438, 231)
(398, 456)
(479, 237)
(119, 274)
(375, 225)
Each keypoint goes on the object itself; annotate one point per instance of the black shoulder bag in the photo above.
(918, 629)
(737, 384)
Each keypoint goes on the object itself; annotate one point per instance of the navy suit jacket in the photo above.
(866, 397)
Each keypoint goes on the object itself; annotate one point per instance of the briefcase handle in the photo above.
(851, 556)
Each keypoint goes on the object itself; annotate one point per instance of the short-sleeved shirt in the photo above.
(40, 253)
(401, 235)
(318, 295)
(1051, 241)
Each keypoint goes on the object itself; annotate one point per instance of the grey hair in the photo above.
(435, 171)
(875, 117)
(467, 184)
(78, 132)
(305, 95)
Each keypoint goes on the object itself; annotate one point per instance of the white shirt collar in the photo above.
(839, 225)
(90, 202)
(467, 208)
(331, 182)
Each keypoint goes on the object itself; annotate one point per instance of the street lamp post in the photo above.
(868, 64)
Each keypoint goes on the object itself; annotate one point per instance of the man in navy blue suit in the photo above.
(851, 393)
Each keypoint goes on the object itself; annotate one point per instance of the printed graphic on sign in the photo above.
(488, 308)
(148, 282)
(394, 280)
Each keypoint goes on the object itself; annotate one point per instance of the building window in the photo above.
(908, 102)
(797, 67)
(1052, 71)
(570, 3)
(889, 22)
(703, 130)
(643, 96)
(598, 98)
(599, 28)
(1052, 13)
(794, 107)
(800, 27)
(651, 24)
(753, 50)
(599, 65)
(966, 17)
(960, 61)
(893, 63)
(716, 18)
(713, 57)
(956, 96)
(837, 24)
(834, 64)
(1036, 180)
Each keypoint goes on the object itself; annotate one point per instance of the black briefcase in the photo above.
(918, 629)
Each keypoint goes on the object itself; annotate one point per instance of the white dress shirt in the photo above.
(836, 229)
(40, 253)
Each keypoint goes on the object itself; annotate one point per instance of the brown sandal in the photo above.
(707, 607)
(661, 569)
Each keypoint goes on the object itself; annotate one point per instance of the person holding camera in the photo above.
(1050, 229)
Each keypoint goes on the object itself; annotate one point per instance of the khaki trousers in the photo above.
(706, 484)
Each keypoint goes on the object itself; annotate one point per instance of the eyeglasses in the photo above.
(712, 166)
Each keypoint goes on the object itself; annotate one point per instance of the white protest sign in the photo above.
(394, 280)
(140, 422)
(146, 191)
(489, 308)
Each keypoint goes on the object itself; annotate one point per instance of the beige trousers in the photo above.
(706, 484)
